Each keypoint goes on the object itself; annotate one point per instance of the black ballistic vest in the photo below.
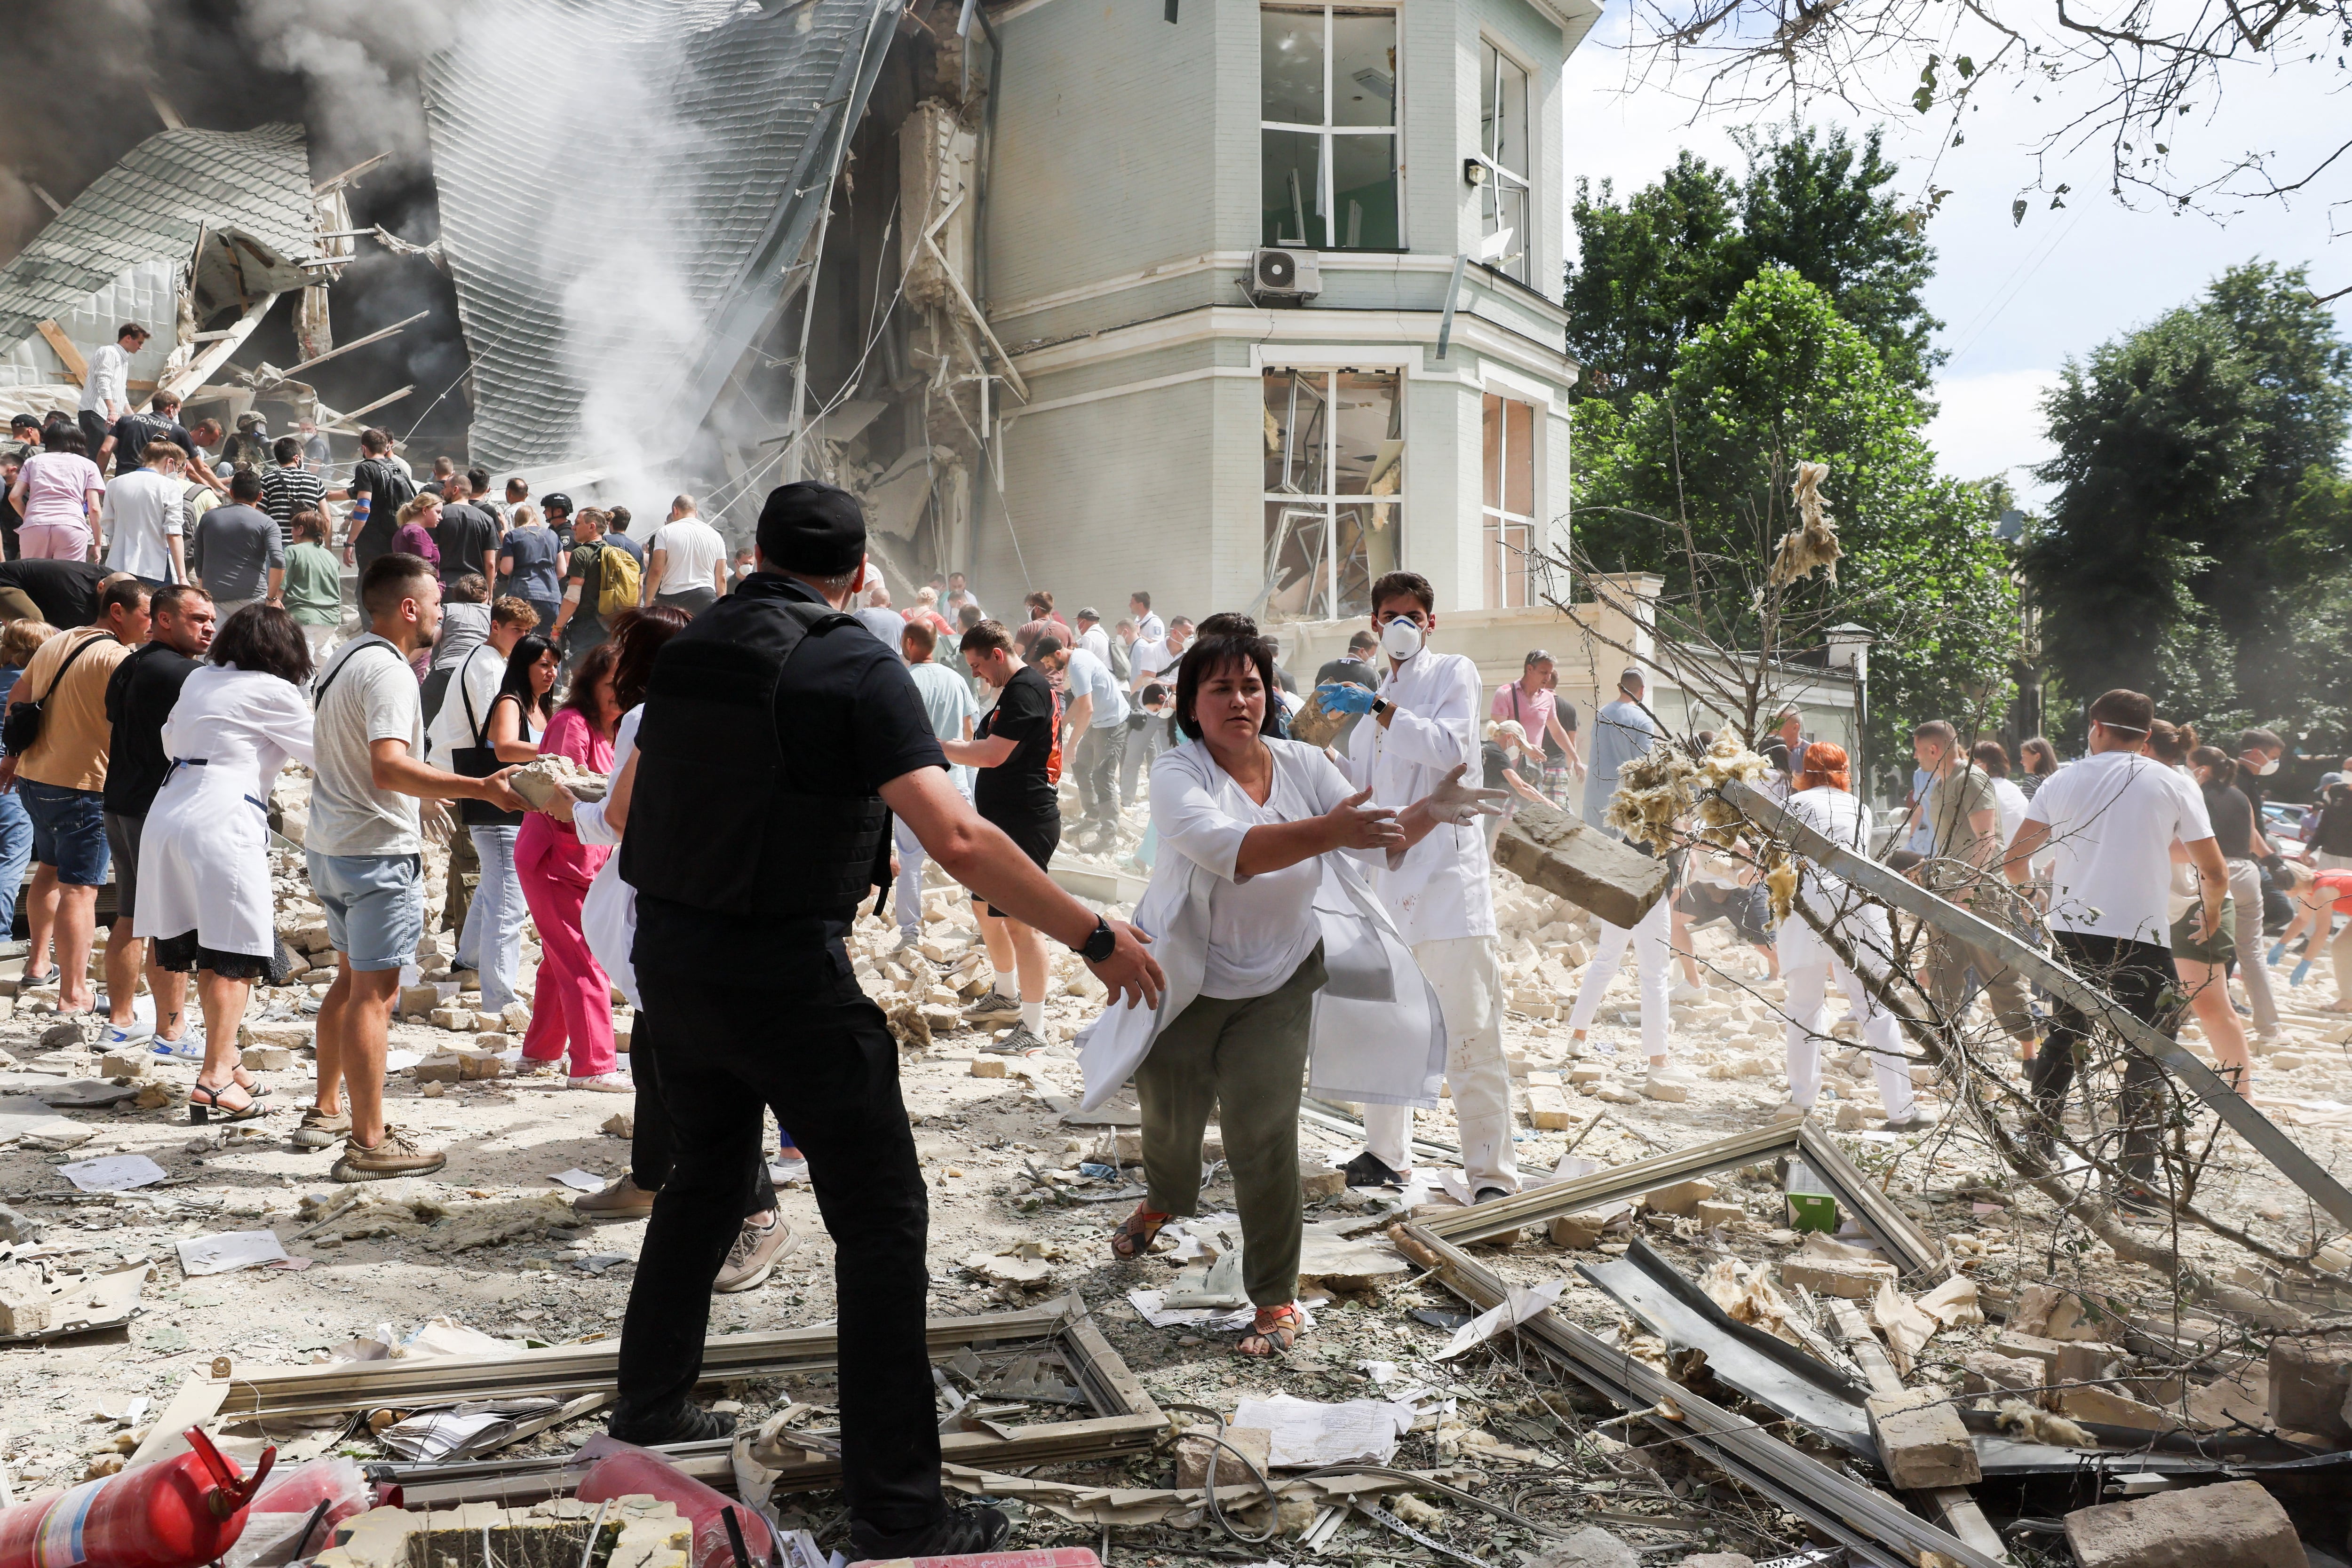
(712, 823)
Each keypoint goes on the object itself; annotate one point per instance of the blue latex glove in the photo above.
(1344, 696)
(2278, 951)
(2300, 971)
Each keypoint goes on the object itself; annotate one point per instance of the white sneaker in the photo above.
(1684, 991)
(189, 1046)
(606, 1083)
(787, 1173)
(124, 1036)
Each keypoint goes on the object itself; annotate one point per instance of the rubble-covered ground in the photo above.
(1023, 1194)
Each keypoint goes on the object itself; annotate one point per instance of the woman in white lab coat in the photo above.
(1822, 798)
(204, 857)
(1265, 960)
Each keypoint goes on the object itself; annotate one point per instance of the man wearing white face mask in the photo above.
(1423, 725)
(2259, 751)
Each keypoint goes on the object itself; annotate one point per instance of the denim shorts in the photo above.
(374, 904)
(69, 830)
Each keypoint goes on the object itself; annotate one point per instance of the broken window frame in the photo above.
(1506, 188)
(1325, 515)
(1510, 535)
(1322, 214)
(1122, 1418)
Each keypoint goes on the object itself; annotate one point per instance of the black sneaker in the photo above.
(1366, 1170)
(963, 1533)
(690, 1423)
(1490, 1195)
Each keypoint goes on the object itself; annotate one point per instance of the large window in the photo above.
(1503, 204)
(1334, 445)
(1508, 502)
(1327, 111)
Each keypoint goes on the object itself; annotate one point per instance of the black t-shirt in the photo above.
(468, 540)
(1353, 672)
(65, 590)
(2333, 836)
(851, 720)
(2232, 816)
(585, 566)
(387, 490)
(132, 432)
(1020, 789)
(139, 698)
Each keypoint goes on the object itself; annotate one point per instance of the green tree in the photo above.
(1654, 271)
(1692, 483)
(2197, 538)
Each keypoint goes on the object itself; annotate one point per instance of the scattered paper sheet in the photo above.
(579, 1179)
(397, 1061)
(113, 1173)
(22, 1116)
(228, 1252)
(1151, 1306)
(1524, 1302)
(462, 1430)
(1307, 1433)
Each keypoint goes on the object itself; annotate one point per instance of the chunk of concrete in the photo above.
(1712, 1213)
(1922, 1442)
(1854, 1280)
(1681, 1197)
(2028, 1347)
(2110, 1407)
(27, 1305)
(1193, 1453)
(2086, 1360)
(1592, 1547)
(988, 1067)
(1547, 847)
(1318, 1180)
(2234, 1524)
(266, 1058)
(2310, 1380)
(1582, 1231)
(1987, 1372)
(1548, 1109)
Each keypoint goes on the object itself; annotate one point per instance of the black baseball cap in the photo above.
(811, 527)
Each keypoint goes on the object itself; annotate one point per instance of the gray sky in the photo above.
(2016, 301)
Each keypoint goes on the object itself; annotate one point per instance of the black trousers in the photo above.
(95, 428)
(2138, 974)
(653, 1142)
(808, 1044)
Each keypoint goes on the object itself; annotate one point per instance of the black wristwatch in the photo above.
(1100, 943)
(1380, 707)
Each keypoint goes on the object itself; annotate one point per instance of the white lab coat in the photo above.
(1377, 1035)
(204, 855)
(1838, 817)
(609, 917)
(1442, 889)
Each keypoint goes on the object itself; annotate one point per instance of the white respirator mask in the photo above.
(2269, 766)
(1401, 639)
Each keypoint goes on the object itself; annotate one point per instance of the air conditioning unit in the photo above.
(1284, 277)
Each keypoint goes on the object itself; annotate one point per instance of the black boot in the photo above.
(1366, 1170)
(688, 1423)
(961, 1533)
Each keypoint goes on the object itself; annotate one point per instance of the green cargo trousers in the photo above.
(1248, 1059)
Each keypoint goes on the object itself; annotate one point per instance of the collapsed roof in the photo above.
(190, 224)
(619, 242)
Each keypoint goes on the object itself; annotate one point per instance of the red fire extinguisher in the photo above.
(175, 1514)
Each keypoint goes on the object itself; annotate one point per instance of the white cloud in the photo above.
(1991, 425)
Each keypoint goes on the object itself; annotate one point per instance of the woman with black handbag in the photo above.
(500, 737)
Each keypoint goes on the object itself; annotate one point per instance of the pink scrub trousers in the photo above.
(572, 999)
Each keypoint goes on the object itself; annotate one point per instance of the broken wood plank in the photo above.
(1551, 850)
(68, 350)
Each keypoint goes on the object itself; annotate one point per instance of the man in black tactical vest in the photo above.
(778, 738)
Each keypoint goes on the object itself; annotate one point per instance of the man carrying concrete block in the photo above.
(1423, 725)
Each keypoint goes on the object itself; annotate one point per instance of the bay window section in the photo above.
(1328, 137)
(1507, 239)
(1334, 467)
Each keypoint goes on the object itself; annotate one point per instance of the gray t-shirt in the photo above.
(235, 547)
(370, 695)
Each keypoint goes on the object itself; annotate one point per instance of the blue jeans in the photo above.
(497, 911)
(15, 855)
(69, 830)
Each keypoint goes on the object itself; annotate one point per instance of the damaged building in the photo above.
(195, 235)
(1246, 303)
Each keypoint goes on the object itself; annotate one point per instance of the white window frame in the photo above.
(1498, 176)
(1328, 371)
(1496, 521)
(1327, 202)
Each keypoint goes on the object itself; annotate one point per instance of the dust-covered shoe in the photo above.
(754, 1256)
(394, 1155)
(623, 1199)
(320, 1131)
(993, 1005)
(1016, 1041)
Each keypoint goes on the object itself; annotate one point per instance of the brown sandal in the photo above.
(1273, 1331)
(1137, 1232)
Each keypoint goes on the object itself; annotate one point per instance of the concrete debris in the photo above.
(1921, 1441)
(2235, 1524)
(1590, 1547)
(1557, 853)
(2310, 1381)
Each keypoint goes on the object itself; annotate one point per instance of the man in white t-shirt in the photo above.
(364, 848)
(686, 563)
(1151, 664)
(145, 517)
(105, 386)
(1148, 628)
(1097, 714)
(1092, 637)
(2111, 820)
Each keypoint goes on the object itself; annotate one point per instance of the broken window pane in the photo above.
(1363, 67)
(1293, 193)
(1331, 434)
(1519, 449)
(1290, 66)
(1508, 492)
(1503, 147)
(1364, 182)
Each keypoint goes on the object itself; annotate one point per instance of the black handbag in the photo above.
(479, 760)
(20, 730)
